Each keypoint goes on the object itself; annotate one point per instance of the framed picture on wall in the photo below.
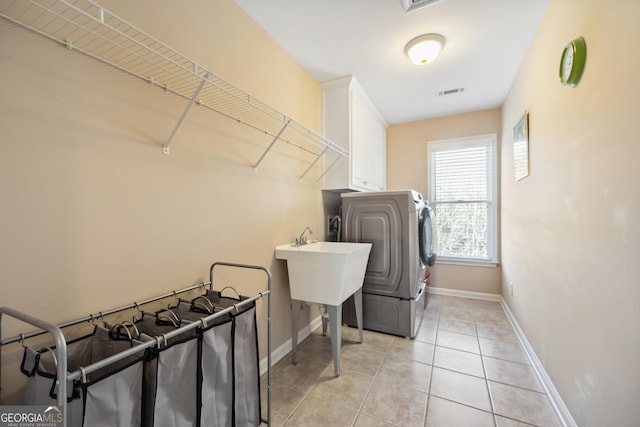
(521, 147)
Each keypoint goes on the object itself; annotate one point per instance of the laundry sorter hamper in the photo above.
(125, 374)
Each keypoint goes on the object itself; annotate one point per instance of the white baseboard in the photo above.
(464, 294)
(558, 404)
(280, 352)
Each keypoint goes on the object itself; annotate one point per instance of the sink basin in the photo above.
(325, 272)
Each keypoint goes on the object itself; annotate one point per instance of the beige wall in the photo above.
(570, 236)
(95, 216)
(407, 167)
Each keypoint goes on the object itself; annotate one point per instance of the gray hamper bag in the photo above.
(215, 388)
(175, 403)
(246, 368)
(246, 365)
(170, 376)
(115, 400)
(216, 391)
(111, 396)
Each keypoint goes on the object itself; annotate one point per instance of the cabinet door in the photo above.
(368, 146)
(360, 155)
(379, 160)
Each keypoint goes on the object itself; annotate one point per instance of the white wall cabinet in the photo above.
(352, 121)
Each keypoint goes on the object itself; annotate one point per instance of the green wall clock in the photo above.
(572, 62)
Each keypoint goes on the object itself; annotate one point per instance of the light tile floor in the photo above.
(465, 368)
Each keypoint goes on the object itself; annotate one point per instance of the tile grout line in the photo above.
(481, 355)
(375, 376)
(307, 394)
(433, 357)
(487, 380)
(477, 337)
(486, 377)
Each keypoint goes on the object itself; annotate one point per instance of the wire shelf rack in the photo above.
(87, 27)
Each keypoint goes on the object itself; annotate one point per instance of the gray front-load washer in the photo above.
(398, 224)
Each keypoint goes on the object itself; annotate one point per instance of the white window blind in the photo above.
(463, 196)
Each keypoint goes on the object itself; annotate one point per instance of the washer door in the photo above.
(425, 236)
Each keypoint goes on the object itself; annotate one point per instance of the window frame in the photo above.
(490, 140)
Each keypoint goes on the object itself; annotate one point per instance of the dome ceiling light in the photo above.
(424, 49)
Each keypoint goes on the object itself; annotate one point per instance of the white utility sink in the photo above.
(325, 272)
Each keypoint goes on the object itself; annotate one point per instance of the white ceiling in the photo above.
(486, 41)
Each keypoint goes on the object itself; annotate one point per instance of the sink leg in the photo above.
(357, 297)
(324, 325)
(296, 307)
(335, 322)
(325, 319)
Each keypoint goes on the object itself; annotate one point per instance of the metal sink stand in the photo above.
(335, 321)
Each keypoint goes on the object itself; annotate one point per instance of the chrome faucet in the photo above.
(302, 240)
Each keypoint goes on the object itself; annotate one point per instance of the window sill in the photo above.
(467, 262)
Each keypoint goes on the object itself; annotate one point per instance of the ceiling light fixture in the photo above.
(424, 49)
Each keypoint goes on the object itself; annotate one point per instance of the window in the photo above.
(463, 195)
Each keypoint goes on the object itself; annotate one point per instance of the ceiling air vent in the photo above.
(410, 5)
(451, 91)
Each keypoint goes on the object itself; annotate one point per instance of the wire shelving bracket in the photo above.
(87, 27)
